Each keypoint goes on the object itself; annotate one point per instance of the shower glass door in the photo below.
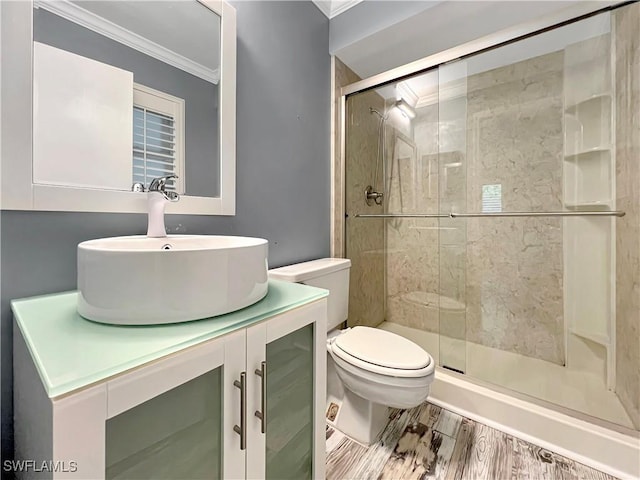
(452, 168)
(501, 233)
(527, 163)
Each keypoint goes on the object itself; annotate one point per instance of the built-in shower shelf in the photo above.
(589, 204)
(586, 102)
(599, 338)
(587, 179)
(589, 185)
(588, 125)
(590, 154)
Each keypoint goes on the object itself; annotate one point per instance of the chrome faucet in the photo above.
(158, 198)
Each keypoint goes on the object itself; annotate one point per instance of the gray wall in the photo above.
(283, 168)
(200, 97)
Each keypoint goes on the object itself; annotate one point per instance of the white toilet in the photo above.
(368, 370)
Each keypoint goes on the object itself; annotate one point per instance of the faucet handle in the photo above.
(137, 187)
(171, 196)
(158, 184)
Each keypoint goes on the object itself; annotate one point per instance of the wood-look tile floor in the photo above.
(430, 442)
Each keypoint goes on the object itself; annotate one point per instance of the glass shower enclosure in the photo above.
(492, 212)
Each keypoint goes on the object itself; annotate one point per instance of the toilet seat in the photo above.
(382, 352)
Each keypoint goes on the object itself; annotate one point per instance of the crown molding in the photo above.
(331, 10)
(324, 6)
(87, 19)
(406, 92)
(448, 91)
(343, 7)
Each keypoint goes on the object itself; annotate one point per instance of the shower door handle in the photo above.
(262, 413)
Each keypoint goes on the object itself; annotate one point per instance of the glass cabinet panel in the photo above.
(289, 432)
(174, 435)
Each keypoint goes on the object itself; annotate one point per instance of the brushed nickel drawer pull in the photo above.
(242, 429)
(262, 413)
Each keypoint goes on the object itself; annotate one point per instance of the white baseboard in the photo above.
(606, 450)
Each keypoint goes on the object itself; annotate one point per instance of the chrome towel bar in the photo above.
(615, 213)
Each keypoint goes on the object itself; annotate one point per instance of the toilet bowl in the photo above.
(368, 370)
(382, 367)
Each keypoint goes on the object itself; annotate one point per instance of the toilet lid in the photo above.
(382, 348)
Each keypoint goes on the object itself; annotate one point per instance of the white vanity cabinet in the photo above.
(288, 432)
(246, 403)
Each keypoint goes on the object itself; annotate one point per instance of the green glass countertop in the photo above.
(71, 352)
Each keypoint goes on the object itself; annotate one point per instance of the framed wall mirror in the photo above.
(100, 95)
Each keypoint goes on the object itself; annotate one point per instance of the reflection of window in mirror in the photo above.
(158, 137)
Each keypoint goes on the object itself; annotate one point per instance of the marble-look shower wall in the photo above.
(514, 266)
(365, 238)
(627, 78)
(342, 76)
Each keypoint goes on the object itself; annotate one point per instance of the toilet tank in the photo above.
(329, 273)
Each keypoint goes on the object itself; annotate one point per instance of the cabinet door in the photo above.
(176, 434)
(169, 420)
(287, 356)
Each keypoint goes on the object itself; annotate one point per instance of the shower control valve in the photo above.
(371, 196)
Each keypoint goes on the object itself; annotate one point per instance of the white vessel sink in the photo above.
(139, 280)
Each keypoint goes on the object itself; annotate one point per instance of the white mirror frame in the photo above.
(18, 192)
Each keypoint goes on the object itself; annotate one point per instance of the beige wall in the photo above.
(364, 238)
(627, 43)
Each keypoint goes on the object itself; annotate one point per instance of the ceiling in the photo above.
(443, 25)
